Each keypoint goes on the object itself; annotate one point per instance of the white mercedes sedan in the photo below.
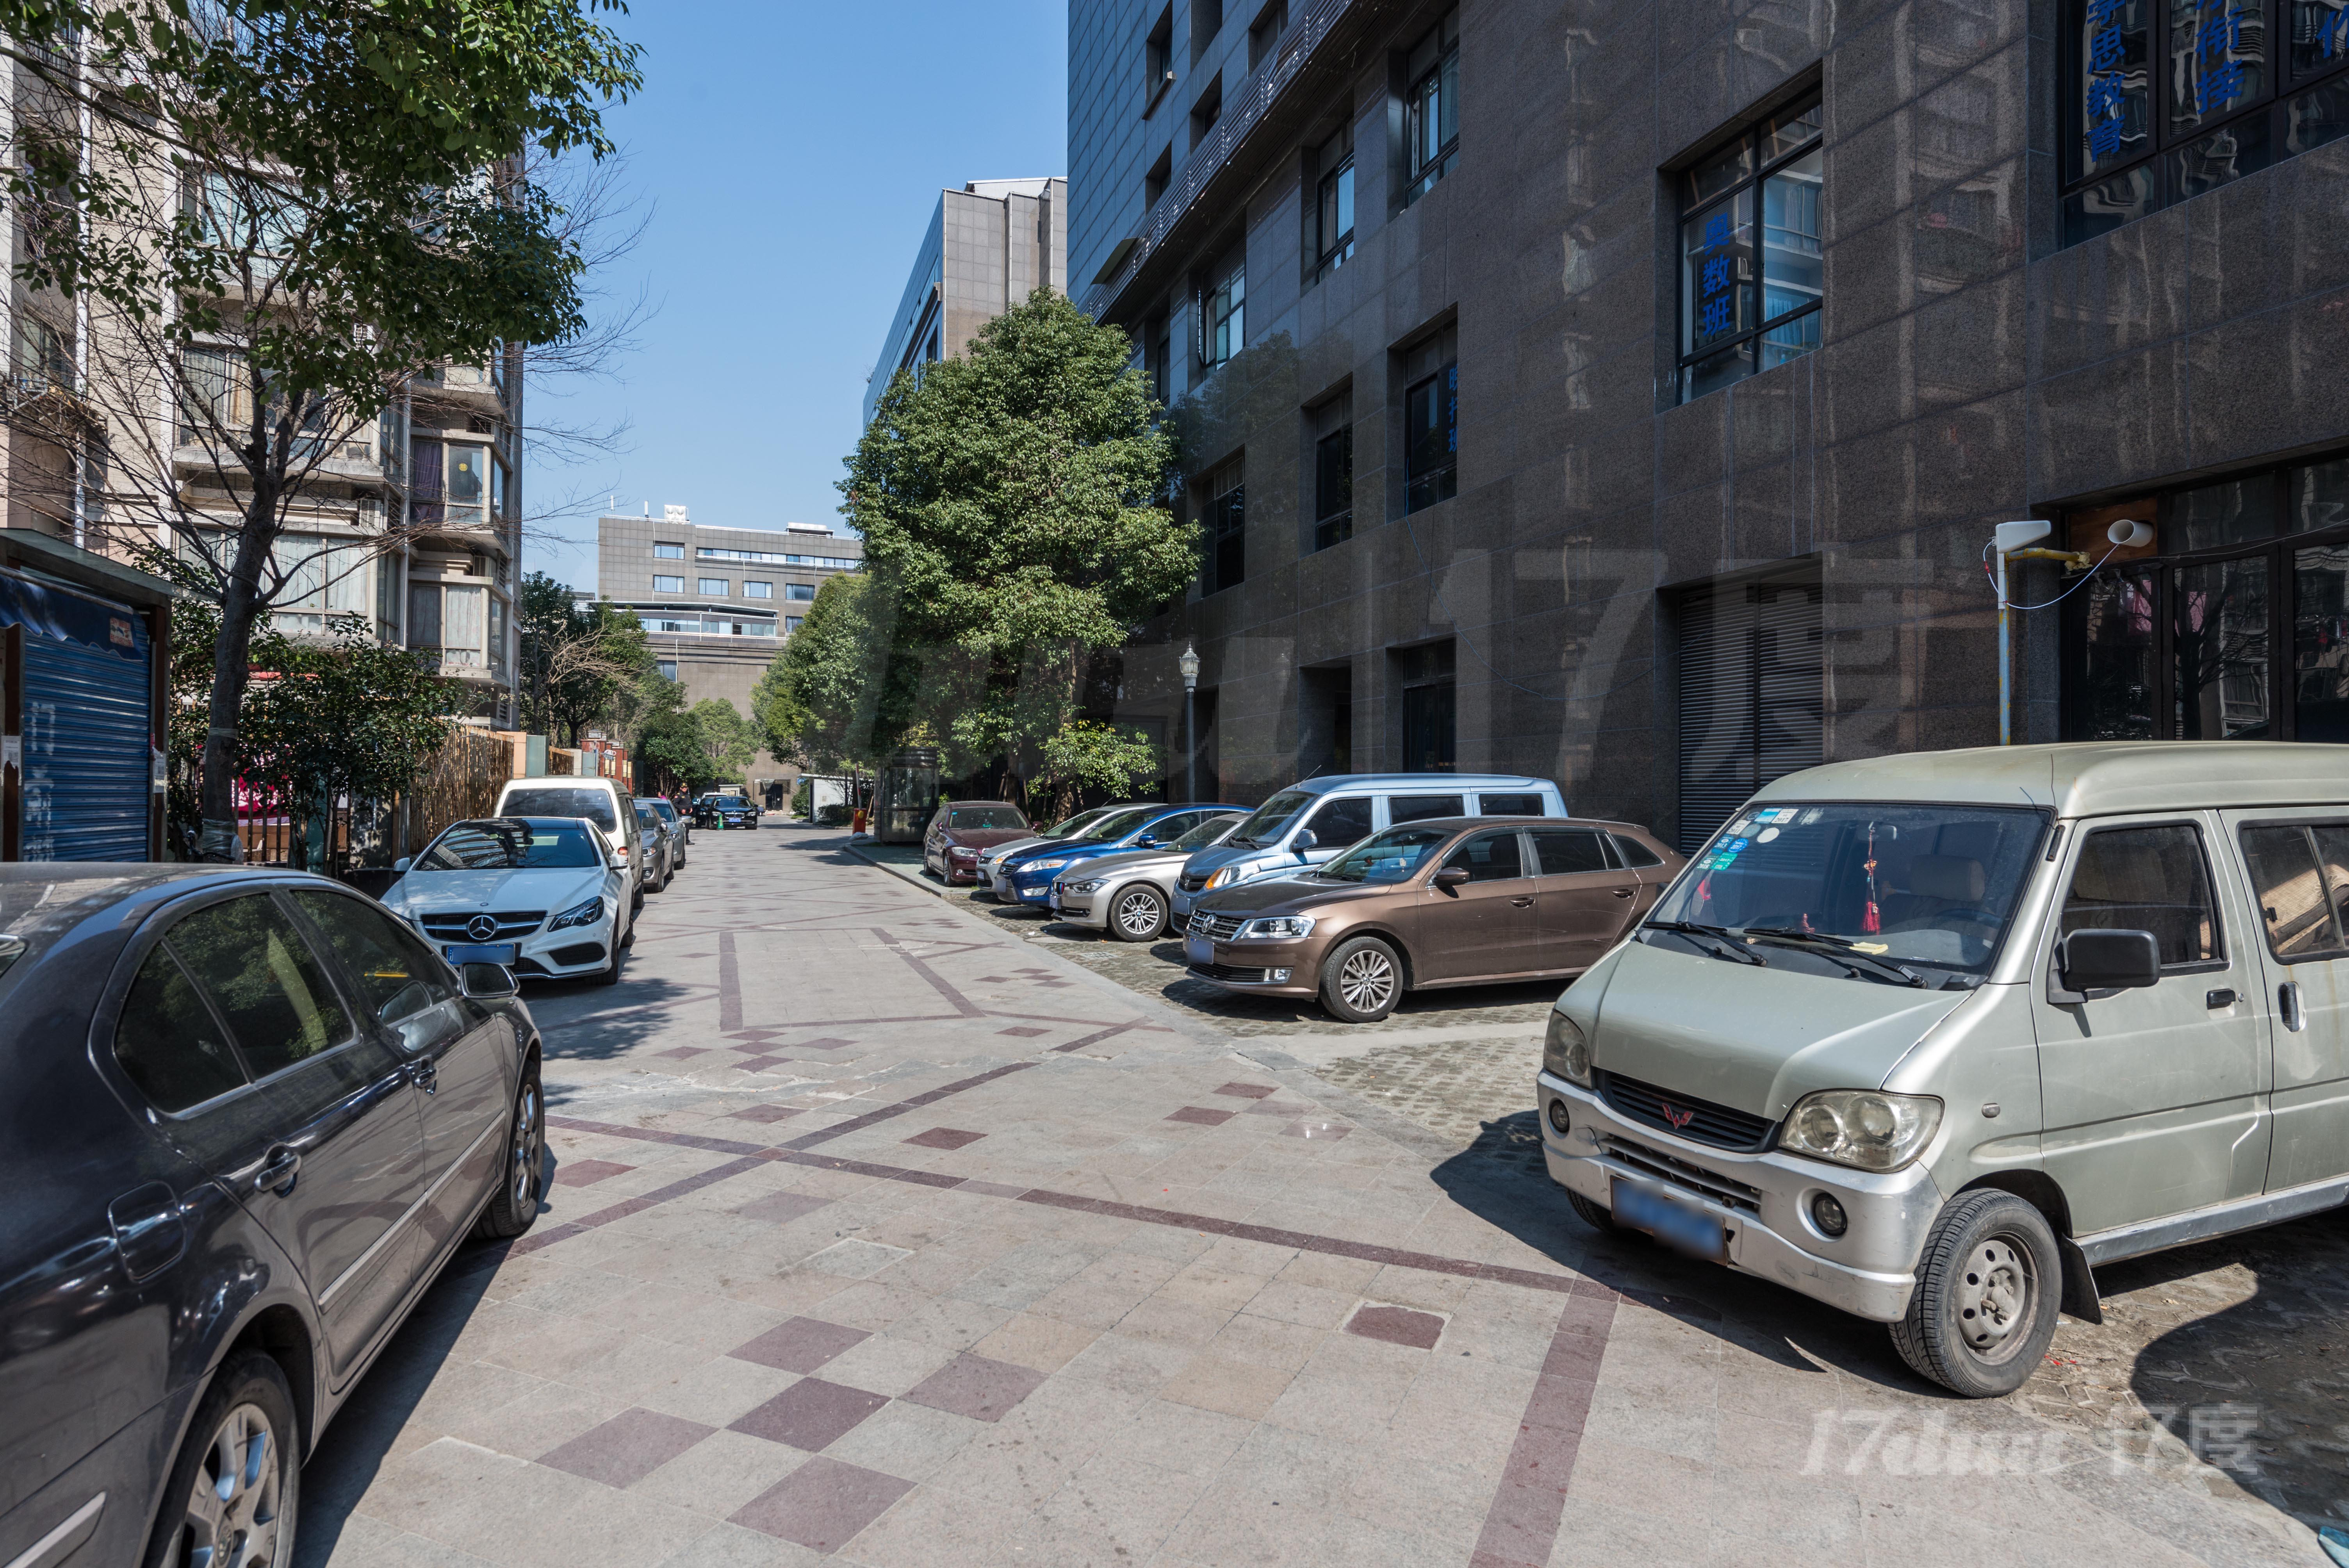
(545, 896)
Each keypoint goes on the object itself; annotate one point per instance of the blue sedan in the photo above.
(1026, 876)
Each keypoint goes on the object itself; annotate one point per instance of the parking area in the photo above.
(890, 1232)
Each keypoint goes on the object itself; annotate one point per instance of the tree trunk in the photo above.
(232, 673)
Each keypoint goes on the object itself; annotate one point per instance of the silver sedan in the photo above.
(1127, 894)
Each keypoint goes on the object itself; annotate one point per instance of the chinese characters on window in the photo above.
(1749, 300)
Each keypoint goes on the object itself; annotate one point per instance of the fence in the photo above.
(369, 835)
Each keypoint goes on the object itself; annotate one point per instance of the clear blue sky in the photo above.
(791, 154)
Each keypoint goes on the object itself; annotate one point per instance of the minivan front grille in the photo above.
(1683, 1174)
(511, 925)
(1215, 927)
(1698, 1120)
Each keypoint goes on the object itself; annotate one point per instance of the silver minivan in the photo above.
(1308, 823)
(1928, 1038)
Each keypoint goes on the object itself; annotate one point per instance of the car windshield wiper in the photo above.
(1727, 946)
(1837, 949)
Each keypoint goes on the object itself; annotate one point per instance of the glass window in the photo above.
(2299, 903)
(1334, 203)
(2320, 644)
(396, 978)
(2116, 678)
(1489, 857)
(558, 801)
(2168, 98)
(669, 552)
(985, 817)
(799, 592)
(464, 621)
(2219, 629)
(1432, 107)
(667, 668)
(1750, 273)
(1225, 520)
(1570, 852)
(249, 959)
(1509, 805)
(510, 844)
(754, 589)
(2319, 493)
(1389, 857)
(2146, 879)
(667, 584)
(718, 585)
(1222, 310)
(1341, 821)
(1633, 853)
(1333, 471)
(1425, 808)
(1210, 831)
(791, 625)
(467, 484)
(169, 1042)
(1431, 439)
(2233, 512)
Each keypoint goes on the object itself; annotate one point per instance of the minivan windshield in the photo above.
(1389, 857)
(1908, 883)
(1205, 833)
(1269, 820)
(595, 805)
(503, 844)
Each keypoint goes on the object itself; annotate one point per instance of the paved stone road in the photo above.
(883, 1234)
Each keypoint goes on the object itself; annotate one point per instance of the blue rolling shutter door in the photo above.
(85, 772)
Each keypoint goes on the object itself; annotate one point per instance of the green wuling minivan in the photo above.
(1928, 1038)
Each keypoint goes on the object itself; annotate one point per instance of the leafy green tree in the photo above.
(284, 212)
(1013, 504)
(838, 695)
(729, 743)
(577, 660)
(1086, 754)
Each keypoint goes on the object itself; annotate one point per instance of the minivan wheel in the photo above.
(1139, 914)
(522, 1176)
(235, 1483)
(1989, 1288)
(1362, 980)
(1591, 1213)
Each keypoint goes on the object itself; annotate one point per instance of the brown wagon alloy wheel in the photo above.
(1362, 980)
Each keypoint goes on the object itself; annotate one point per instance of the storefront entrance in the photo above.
(2233, 625)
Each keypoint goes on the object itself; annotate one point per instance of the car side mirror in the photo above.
(2111, 960)
(1451, 876)
(1304, 841)
(482, 981)
(399, 867)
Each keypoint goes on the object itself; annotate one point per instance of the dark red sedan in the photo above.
(962, 829)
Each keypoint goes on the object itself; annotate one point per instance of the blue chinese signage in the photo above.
(2113, 110)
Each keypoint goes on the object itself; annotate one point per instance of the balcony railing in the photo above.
(1242, 110)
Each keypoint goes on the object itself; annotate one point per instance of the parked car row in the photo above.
(1354, 888)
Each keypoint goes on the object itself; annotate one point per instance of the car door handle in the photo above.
(1521, 904)
(277, 1174)
(424, 1073)
(1623, 892)
(2288, 1004)
(2223, 997)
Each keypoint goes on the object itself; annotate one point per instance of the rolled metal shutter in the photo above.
(1751, 697)
(86, 779)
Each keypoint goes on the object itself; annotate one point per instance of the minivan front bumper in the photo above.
(1763, 1201)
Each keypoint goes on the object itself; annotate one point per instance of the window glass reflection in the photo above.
(2115, 693)
(2219, 631)
(2237, 512)
(2320, 644)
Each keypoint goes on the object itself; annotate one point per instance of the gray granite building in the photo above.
(717, 602)
(1627, 394)
(989, 245)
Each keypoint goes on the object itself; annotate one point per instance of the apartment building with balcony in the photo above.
(989, 246)
(1628, 394)
(717, 602)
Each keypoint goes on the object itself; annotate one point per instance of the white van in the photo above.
(1928, 1038)
(602, 801)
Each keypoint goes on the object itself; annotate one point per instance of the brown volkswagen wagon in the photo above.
(1458, 901)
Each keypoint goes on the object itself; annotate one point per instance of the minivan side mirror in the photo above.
(1304, 841)
(2111, 960)
(1451, 876)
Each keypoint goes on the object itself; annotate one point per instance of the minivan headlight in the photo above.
(1862, 1128)
(1565, 1050)
(1286, 927)
(588, 913)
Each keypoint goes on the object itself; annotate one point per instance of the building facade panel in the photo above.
(1971, 360)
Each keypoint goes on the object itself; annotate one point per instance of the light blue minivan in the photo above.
(1306, 824)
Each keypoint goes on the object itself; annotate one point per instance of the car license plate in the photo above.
(1674, 1224)
(1198, 950)
(482, 952)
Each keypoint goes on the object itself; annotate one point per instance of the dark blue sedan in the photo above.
(250, 1115)
(1026, 875)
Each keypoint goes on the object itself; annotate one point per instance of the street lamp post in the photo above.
(1189, 665)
